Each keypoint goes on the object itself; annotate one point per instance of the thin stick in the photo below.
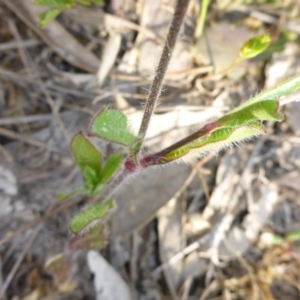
(26, 139)
(156, 86)
(51, 212)
(26, 119)
(18, 263)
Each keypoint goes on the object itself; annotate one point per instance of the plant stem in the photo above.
(156, 86)
(201, 19)
(158, 157)
(113, 185)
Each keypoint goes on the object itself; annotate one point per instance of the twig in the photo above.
(228, 218)
(26, 119)
(12, 45)
(194, 246)
(18, 263)
(51, 212)
(34, 74)
(267, 18)
(157, 83)
(180, 255)
(25, 139)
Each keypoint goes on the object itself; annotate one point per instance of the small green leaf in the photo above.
(85, 153)
(111, 166)
(90, 177)
(112, 126)
(56, 3)
(91, 215)
(47, 16)
(255, 46)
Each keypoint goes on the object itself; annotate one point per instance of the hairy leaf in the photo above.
(285, 88)
(94, 213)
(217, 140)
(111, 166)
(112, 126)
(243, 123)
(261, 111)
(85, 153)
(91, 178)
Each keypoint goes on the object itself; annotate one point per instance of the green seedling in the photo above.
(102, 178)
(251, 48)
(242, 123)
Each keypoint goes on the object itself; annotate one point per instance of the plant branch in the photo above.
(155, 159)
(156, 86)
(113, 185)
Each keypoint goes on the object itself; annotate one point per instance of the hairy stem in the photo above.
(113, 185)
(156, 158)
(156, 86)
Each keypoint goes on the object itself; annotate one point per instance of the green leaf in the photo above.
(262, 111)
(255, 46)
(243, 123)
(86, 154)
(111, 166)
(57, 3)
(47, 16)
(285, 88)
(90, 177)
(112, 126)
(91, 216)
(217, 140)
